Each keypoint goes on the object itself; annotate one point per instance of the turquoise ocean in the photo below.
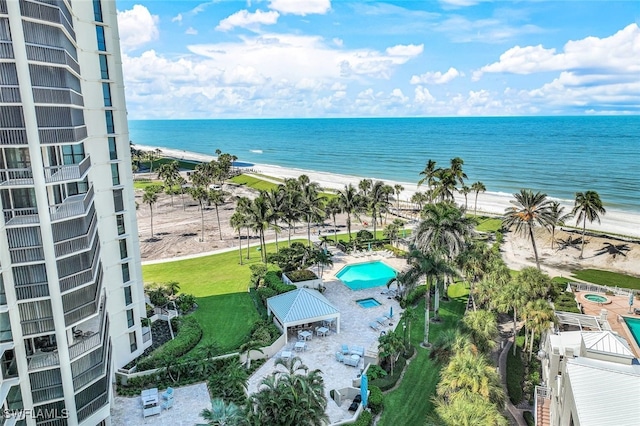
(556, 155)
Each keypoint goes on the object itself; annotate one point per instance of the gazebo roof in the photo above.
(301, 305)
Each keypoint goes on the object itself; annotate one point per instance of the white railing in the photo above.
(597, 288)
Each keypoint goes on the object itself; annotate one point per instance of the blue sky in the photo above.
(323, 58)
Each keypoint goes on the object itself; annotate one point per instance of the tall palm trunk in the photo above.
(240, 246)
(248, 243)
(535, 249)
(426, 316)
(584, 229)
(219, 227)
(151, 211)
(349, 226)
(202, 219)
(515, 331)
(309, 230)
(275, 229)
(289, 231)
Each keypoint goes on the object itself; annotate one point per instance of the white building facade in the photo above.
(71, 296)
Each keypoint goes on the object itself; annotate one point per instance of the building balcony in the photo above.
(16, 177)
(77, 244)
(83, 277)
(76, 205)
(88, 335)
(68, 172)
(542, 404)
(23, 216)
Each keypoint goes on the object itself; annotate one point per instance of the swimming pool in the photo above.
(368, 303)
(634, 327)
(366, 275)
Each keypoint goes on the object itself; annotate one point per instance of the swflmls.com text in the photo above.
(38, 414)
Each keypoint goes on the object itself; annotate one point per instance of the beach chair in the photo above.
(167, 404)
(382, 320)
(339, 357)
(374, 325)
(168, 394)
(345, 349)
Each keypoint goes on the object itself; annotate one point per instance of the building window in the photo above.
(120, 223)
(102, 46)
(130, 319)
(118, 202)
(123, 248)
(108, 115)
(104, 67)
(113, 152)
(125, 273)
(132, 341)
(97, 10)
(72, 154)
(106, 95)
(115, 174)
(128, 299)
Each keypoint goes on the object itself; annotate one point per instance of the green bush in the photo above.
(375, 371)
(364, 235)
(364, 419)
(185, 302)
(415, 295)
(528, 417)
(265, 293)
(376, 400)
(301, 275)
(274, 282)
(389, 381)
(515, 374)
(189, 334)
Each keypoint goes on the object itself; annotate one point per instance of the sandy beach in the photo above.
(613, 222)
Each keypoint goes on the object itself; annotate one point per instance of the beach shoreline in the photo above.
(614, 222)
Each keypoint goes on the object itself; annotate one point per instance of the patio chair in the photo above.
(382, 320)
(352, 361)
(339, 357)
(168, 394)
(374, 325)
(167, 404)
(357, 350)
(345, 349)
(636, 311)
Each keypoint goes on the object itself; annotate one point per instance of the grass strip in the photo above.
(612, 279)
(515, 373)
(410, 403)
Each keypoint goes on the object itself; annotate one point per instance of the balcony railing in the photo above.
(11, 177)
(23, 216)
(67, 172)
(146, 334)
(31, 291)
(76, 205)
(77, 244)
(43, 360)
(93, 406)
(84, 277)
(91, 341)
(26, 254)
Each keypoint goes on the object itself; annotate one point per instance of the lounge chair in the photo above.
(382, 320)
(168, 394)
(374, 325)
(636, 311)
(339, 357)
(357, 350)
(354, 406)
(167, 404)
(345, 349)
(352, 361)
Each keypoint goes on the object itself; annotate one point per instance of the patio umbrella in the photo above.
(364, 386)
(630, 301)
(391, 312)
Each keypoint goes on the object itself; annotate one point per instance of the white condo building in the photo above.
(71, 296)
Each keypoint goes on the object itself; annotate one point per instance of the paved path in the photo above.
(516, 413)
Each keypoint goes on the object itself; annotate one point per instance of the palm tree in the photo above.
(420, 199)
(465, 190)
(238, 221)
(217, 197)
(243, 205)
(390, 345)
(558, 218)
(351, 203)
(528, 210)
(444, 230)
(199, 194)
(376, 202)
(365, 186)
(445, 186)
(470, 410)
(408, 316)
(169, 173)
(258, 219)
(512, 297)
(429, 174)
(483, 328)
(275, 201)
(397, 188)
(150, 197)
(469, 373)
(312, 202)
(291, 202)
(332, 209)
(456, 170)
(477, 187)
(588, 206)
(222, 414)
(539, 315)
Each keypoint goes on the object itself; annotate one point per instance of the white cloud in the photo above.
(421, 95)
(177, 18)
(436, 77)
(409, 50)
(618, 53)
(488, 30)
(191, 31)
(338, 42)
(246, 19)
(301, 7)
(137, 27)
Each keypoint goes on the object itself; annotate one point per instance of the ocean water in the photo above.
(556, 155)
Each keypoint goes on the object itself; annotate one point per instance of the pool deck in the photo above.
(354, 330)
(617, 309)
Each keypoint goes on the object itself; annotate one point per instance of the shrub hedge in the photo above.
(415, 295)
(364, 419)
(376, 400)
(188, 336)
(274, 282)
(389, 381)
(301, 275)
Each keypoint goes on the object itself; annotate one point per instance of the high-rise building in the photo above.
(71, 297)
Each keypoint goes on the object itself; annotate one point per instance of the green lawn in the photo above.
(253, 182)
(489, 224)
(612, 279)
(225, 309)
(410, 403)
(144, 183)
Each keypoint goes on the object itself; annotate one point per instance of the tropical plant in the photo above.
(470, 410)
(538, 315)
(199, 194)
(397, 189)
(512, 297)
(333, 208)
(558, 218)
(238, 221)
(483, 329)
(217, 198)
(169, 173)
(528, 210)
(258, 221)
(291, 202)
(443, 230)
(275, 202)
(351, 204)
(223, 414)
(150, 197)
(312, 202)
(477, 187)
(377, 202)
(465, 190)
(429, 175)
(587, 206)
(243, 205)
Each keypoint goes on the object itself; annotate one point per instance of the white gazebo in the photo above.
(301, 306)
